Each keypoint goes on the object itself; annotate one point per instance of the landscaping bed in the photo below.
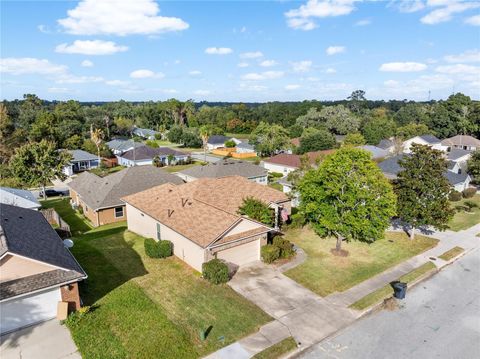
(277, 350)
(464, 220)
(387, 291)
(325, 273)
(150, 307)
(452, 253)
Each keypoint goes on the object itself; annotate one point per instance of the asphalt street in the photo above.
(440, 318)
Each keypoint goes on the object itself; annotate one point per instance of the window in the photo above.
(118, 212)
(159, 234)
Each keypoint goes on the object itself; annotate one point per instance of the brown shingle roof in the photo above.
(461, 140)
(290, 160)
(204, 209)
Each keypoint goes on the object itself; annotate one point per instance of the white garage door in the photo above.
(242, 254)
(24, 311)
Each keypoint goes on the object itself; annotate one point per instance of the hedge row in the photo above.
(158, 249)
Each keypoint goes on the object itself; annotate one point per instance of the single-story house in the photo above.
(36, 270)
(428, 140)
(218, 141)
(19, 197)
(144, 155)
(460, 158)
(287, 188)
(387, 145)
(81, 161)
(285, 162)
(121, 145)
(376, 152)
(225, 168)
(145, 133)
(201, 218)
(245, 147)
(390, 168)
(99, 198)
(464, 142)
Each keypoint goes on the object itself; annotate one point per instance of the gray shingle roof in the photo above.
(461, 140)
(106, 192)
(122, 145)
(457, 153)
(27, 233)
(81, 155)
(18, 197)
(144, 132)
(218, 139)
(245, 145)
(148, 153)
(430, 139)
(224, 168)
(385, 144)
(455, 178)
(376, 152)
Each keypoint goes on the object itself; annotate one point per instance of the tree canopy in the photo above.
(268, 139)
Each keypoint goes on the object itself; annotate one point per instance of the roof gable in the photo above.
(225, 168)
(18, 197)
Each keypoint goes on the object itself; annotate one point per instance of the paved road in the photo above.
(199, 156)
(440, 319)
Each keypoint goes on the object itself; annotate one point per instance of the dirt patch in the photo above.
(390, 304)
(339, 253)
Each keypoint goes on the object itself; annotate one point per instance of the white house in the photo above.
(464, 142)
(145, 133)
(218, 141)
(283, 163)
(120, 145)
(245, 147)
(428, 140)
(19, 198)
(460, 158)
(81, 161)
(145, 155)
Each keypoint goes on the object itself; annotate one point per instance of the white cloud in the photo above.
(333, 50)
(473, 20)
(458, 69)
(218, 50)
(117, 83)
(330, 71)
(301, 66)
(467, 56)
(119, 17)
(195, 73)
(43, 28)
(251, 87)
(243, 64)
(145, 74)
(73, 79)
(292, 87)
(302, 18)
(202, 92)
(391, 83)
(267, 75)
(91, 47)
(57, 90)
(86, 63)
(363, 22)
(402, 67)
(446, 12)
(251, 55)
(30, 65)
(268, 63)
(409, 6)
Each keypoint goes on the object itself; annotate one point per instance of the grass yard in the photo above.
(144, 307)
(78, 224)
(276, 185)
(324, 273)
(464, 220)
(452, 253)
(102, 172)
(387, 291)
(277, 350)
(178, 168)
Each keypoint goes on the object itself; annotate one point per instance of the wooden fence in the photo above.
(55, 220)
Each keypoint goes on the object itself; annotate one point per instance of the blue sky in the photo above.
(102, 50)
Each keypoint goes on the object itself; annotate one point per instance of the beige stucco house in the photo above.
(201, 218)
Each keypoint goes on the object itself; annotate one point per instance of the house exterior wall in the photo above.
(242, 226)
(464, 185)
(408, 144)
(245, 150)
(183, 248)
(71, 295)
(272, 167)
(260, 180)
(14, 267)
(241, 254)
(107, 215)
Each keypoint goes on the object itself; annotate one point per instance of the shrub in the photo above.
(158, 249)
(215, 271)
(455, 196)
(285, 246)
(460, 208)
(74, 317)
(470, 205)
(469, 192)
(230, 144)
(151, 143)
(158, 136)
(270, 253)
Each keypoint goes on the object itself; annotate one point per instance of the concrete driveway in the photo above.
(308, 317)
(48, 340)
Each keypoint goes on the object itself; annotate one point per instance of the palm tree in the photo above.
(204, 135)
(96, 135)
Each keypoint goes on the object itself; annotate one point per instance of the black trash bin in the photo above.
(399, 290)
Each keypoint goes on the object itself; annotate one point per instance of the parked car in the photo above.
(54, 193)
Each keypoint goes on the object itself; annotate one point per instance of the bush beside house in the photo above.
(270, 253)
(469, 192)
(158, 249)
(215, 271)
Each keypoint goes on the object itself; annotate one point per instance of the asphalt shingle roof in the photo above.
(385, 144)
(81, 155)
(224, 168)
(18, 197)
(218, 139)
(456, 153)
(144, 132)
(106, 192)
(122, 145)
(430, 139)
(461, 140)
(148, 153)
(245, 145)
(376, 152)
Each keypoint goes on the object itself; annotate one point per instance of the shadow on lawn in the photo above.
(109, 261)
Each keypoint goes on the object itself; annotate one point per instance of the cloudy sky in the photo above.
(101, 50)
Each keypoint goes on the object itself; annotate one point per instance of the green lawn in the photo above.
(144, 307)
(277, 350)
(276, 185)
(463, 220)
(452, 253)
(387, 290)
(102, 172)
(324, 273)
(77, 223)
(178, 168)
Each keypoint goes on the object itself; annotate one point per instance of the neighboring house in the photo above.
(19, 198)
(225, 168)
(120, 145)
(218, 141)
(81, 161)
(287, 188)
(376, 152)
(144, 156)
(387, 145)
(145, 133)
(285, 163)
(428, 140)
(36, 270)
(390, 168)
(245, 147)
(460, 158)
(201, 218)
(99, 197)
(464, 142)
